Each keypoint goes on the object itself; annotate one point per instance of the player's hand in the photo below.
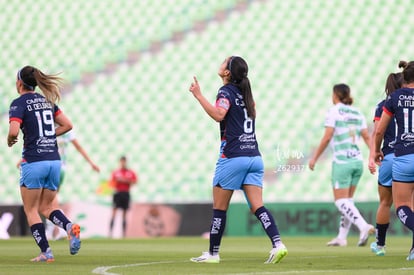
(378, 157)
(95, 167)
(11, 141)
(195, 88)
(311, 164)
(372, 167)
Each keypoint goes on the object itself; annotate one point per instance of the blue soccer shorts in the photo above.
(385, 171)
(403, 168)
(40, 174)
(233, 173)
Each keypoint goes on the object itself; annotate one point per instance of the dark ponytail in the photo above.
(238, 76)
(408, 71)
(343, 92)
(394, 82)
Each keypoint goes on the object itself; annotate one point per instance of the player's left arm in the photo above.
(134, 178)
(64, 123)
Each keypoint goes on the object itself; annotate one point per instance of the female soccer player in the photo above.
(401, 106)
(240, 165)
(36, 115)
(394, 82)
(344, 125)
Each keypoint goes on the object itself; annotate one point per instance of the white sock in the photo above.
(344, 226)
(50, 226)
(349, 210)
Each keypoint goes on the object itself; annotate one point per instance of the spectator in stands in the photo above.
(344, 125)
(240, 165)
(36, 115)
(394, 82)
(121, 179)
(400, 106)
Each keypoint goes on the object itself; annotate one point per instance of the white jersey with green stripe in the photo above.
(348, 122)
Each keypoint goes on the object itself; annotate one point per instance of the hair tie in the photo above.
(31, 88)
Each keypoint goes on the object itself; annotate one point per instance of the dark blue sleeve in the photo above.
(16, 111)
(389, 106)
(56, 110)
(378, 110)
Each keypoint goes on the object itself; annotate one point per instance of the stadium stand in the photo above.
(129, 65)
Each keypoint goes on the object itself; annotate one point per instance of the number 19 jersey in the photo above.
(36, 117)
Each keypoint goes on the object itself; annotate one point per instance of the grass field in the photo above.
(171, 256)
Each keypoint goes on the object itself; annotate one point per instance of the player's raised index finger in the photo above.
(195, 79)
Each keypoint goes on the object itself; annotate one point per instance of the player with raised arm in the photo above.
(240, 165)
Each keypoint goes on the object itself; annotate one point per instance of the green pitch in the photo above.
(241, 256)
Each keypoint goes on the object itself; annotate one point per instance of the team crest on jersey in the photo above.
(223, 103)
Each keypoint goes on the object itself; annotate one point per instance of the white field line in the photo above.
(104, 270)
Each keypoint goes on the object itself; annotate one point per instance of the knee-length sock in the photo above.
(58, 218)
(269, 224)
(406, 216)
(124, 227)
(349, 210)
(344, 226)
(381, 233)
(39, 235)
(218, 223)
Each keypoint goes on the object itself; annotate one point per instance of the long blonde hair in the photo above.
(49, 84)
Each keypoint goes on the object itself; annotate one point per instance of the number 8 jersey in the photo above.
(237, 129)
(36, 117)
(401, 106)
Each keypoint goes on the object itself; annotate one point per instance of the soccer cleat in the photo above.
(410, 256)
(337, 242)
(74, 239)
(44, 257)
(206, 258)
(377, 249)
(277, 254)
(364, 234)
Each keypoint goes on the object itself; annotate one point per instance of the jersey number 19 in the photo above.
(45, 120)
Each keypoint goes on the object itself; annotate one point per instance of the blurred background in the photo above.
(129, 64)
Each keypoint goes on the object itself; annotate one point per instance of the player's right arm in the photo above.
(16, 113)
(215, 112)
(14, 128)
(379, 136)
(371, 160)
(85, 155)
(329, 131)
